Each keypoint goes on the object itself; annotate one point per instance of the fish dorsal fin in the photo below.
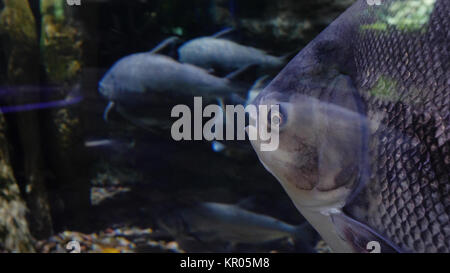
(244, 73)
(221, 34)
(361, 237)
(164, 44)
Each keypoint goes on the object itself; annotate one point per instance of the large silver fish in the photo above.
(365, 127)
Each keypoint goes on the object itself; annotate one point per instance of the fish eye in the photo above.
(276, 117)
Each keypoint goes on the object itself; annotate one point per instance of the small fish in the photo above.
(364, 128)
(217, 54)
(210, 223)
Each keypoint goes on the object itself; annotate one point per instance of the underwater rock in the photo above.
(14, 232)
(18, 28)
(61, 42)
(61, 45)
(17, 25)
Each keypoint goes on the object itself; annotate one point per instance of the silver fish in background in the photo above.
(152, 84)
(141, 77)
(216, 53)
(365, 127)
(203, 224)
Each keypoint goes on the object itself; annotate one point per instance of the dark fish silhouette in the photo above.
(202, 226)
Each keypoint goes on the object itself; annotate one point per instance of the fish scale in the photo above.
(410, 151)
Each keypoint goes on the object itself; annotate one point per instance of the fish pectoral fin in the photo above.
(108, 109)
(361, 237)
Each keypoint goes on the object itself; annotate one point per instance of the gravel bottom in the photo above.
(119, 240)
(120, 224)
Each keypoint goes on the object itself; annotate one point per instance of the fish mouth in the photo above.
(105, 91)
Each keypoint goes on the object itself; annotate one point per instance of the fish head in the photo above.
(321, 159)
(121, 88)
(315, 140)
(320, 122)
(126, 82)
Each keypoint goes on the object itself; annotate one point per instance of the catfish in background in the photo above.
(365, 128)
(218, 54)
(203, 226)
(144, 87)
